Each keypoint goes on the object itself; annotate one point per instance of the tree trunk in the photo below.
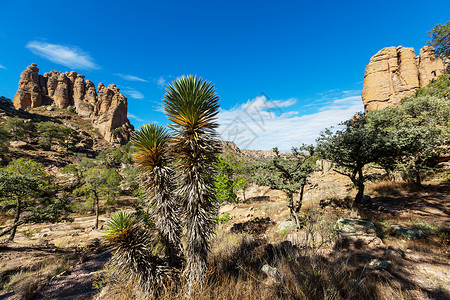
(298, 206)
(359, 194)
(96, 210)
(290, 204)
(418, 181)
(16, 220)
(243, 194)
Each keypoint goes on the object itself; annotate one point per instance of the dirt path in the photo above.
(76, 283)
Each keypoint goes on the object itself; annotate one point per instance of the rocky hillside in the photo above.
(231, 147)
(105, 106)
(395, 73)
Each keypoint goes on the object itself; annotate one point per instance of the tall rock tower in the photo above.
(395, 73)
(105, 107)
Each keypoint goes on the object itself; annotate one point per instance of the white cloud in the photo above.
(2, 67)
(68, 56)
(132, 93)
(130, 77)
(264, 124)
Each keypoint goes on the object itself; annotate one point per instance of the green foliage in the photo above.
(439, 38)
(51, 133)
(232, 175)
(4, 143)
(224, 183)
(98, 182)
(224, 218)
(130, 178)
(70, 169)
(119, 223)
(113, 158)
(18, 128)
(419, 132)
(50, 210)
(439, 88)
(25, 186)
(26, 167)
(360, 142)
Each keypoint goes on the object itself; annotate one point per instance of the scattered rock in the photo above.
(18, 144)
(254, 226)
(272, 273)
(395, 73)
(407, 232)
(286, 227)
(394, 254)
(379, 264)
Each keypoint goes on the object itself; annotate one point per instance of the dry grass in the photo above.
(387, 188)
(308, 269)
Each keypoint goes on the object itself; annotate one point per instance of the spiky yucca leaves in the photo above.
(132, 259)
(191, 104)
(150, 143)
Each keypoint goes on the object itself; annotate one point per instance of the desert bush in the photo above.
(290, 174)
(26, 188)
(5, 103)
(18, 128)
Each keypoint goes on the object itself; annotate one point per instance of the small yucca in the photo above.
(133, 259)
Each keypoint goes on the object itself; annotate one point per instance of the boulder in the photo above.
(356, 230)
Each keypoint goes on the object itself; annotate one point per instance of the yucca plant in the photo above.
(191, 104)
(133, 260)
(151, 148)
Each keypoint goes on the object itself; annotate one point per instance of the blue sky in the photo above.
(284, 70)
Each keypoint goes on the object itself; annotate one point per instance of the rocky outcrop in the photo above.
(395, 73)
(106, 107)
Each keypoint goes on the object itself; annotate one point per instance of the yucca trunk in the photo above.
(160, 197)
(199, 210)
(150, 143)
(191, 104)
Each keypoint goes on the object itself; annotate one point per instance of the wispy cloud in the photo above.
(134, 117)
(132, 93)
(69, 56)
(130, 77)
(2, 67)
(263, 124)
(161, 81)
(159, 108)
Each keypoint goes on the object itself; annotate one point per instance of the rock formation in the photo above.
(106, 107)
(395, 73)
